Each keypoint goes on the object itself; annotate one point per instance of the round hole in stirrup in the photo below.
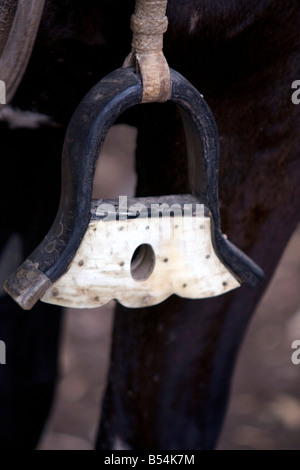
(142, 262)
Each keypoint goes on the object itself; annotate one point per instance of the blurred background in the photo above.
(264, 410)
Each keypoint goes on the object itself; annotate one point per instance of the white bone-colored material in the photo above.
(184, 263)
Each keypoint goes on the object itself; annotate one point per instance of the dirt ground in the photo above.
(264, 411)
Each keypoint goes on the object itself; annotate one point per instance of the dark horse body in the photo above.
(171, 364)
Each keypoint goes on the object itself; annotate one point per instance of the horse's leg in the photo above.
(29, 198)
(77, 43)
(171, 364)
(27, 380)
